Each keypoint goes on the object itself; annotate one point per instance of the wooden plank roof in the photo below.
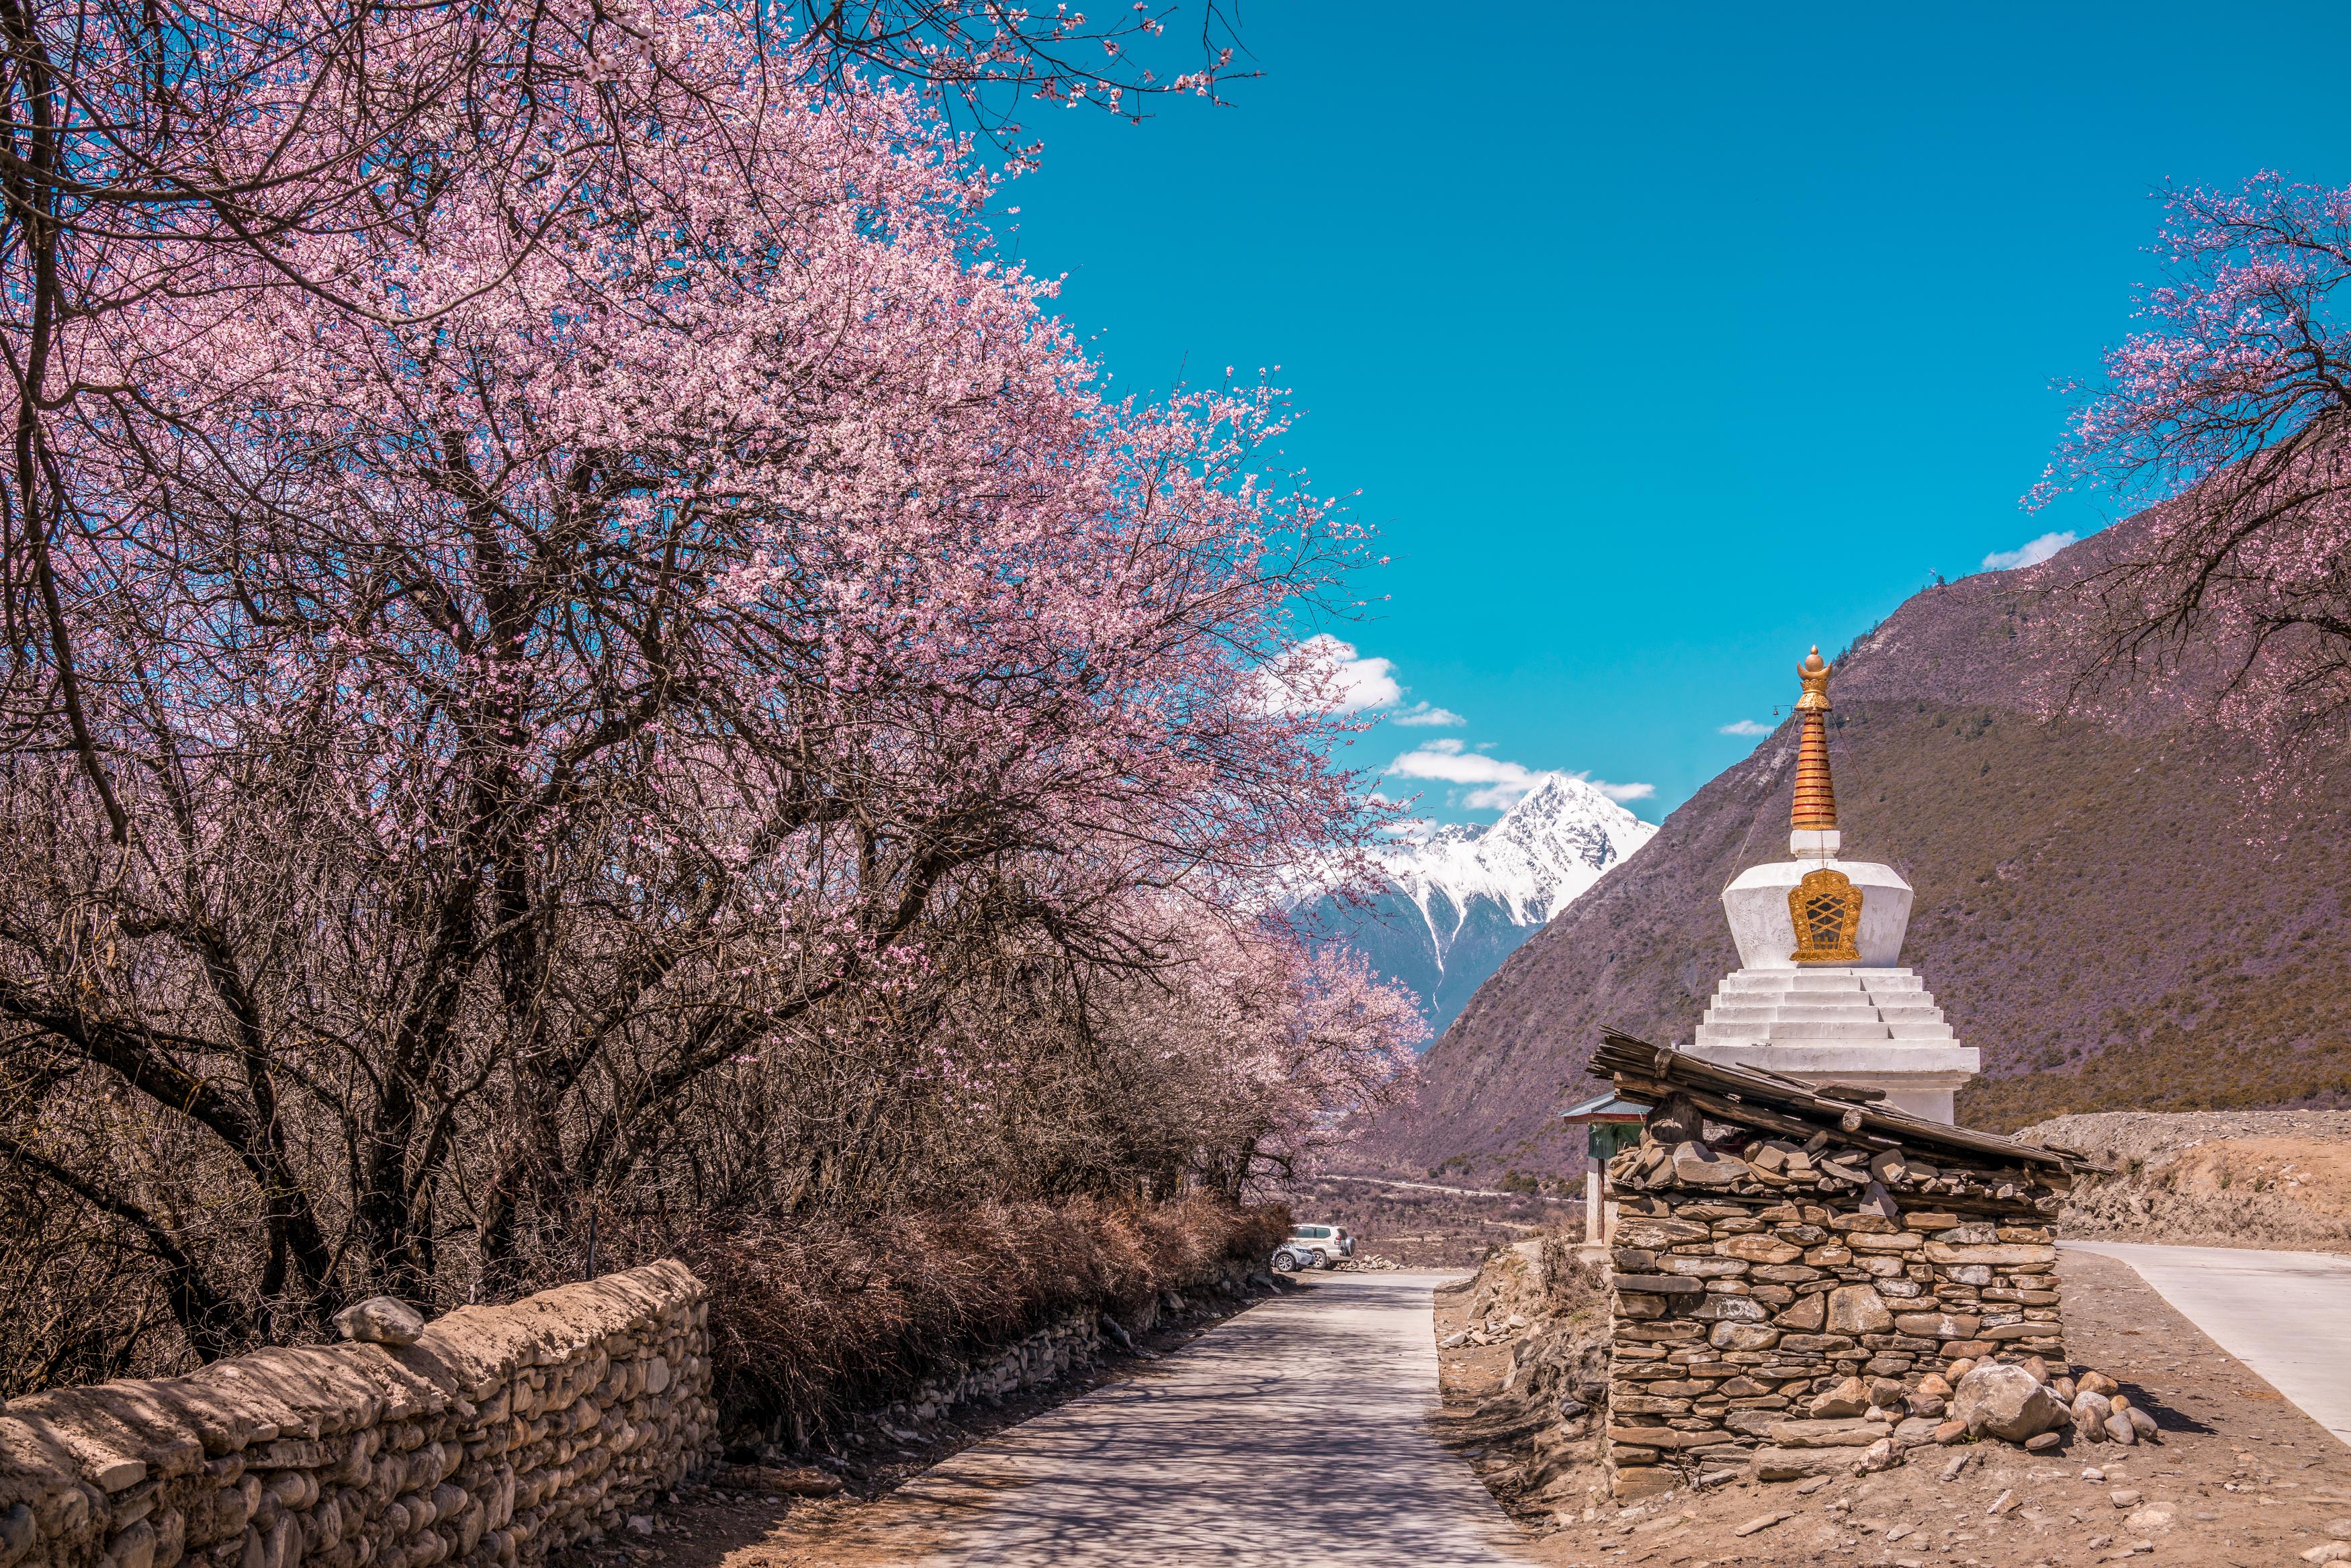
(1635, 1065)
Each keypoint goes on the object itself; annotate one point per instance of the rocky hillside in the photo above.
(2214, 1179)
(2115, 911)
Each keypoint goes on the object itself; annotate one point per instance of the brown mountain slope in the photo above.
(2106, 909)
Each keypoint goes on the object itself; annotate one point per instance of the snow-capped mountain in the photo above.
(1461, 899)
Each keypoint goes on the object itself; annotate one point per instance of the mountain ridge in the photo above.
(1460, 900)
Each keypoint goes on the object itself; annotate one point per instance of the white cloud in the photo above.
(1497, 784)
(2030, 554)
(1422, 713)
(1324, 675)
(1744, 727)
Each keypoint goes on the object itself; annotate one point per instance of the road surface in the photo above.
(2287, 1315)
(1297, 1434)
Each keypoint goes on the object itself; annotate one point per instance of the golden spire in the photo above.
(1815, 805)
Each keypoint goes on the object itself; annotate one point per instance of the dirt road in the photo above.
(2287, 1315)
(1297, 1434)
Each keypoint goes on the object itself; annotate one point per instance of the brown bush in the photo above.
(817, 1316)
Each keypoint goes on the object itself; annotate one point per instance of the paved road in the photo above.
(2287, 1315)
(1295, 1435)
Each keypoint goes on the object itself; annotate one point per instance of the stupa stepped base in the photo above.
(1874, 1028)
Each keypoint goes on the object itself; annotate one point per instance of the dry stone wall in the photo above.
(1758, 1320)
(1070, 1342)
(501, 1434)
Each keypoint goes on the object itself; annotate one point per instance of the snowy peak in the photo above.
(1544, 851)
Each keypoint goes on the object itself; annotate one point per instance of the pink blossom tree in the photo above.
(156, 147)
(549, 651)
(2228, 409)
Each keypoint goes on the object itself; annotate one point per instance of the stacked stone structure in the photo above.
(1797, 1267)
(500, 1434)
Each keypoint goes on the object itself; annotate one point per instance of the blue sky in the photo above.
(1664, 342)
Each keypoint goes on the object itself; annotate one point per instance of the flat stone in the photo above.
(1660, 1284)
(1826, 1434)
(1728, 1309)
(1998, 1255)
(1857, 1309)
(1862, 1224)
(1806, 1315)
(1778, 1464)
(1695, 1165)
(1703, 1267)
(1658, 1233)
(1664, 1437)
(1784, 1274)
(1758, 1249)
(1937, 1325)
(1900, 1242)
(1742, 1336)
(1847, 1400)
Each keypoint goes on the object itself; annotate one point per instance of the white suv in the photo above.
(1329, 1243)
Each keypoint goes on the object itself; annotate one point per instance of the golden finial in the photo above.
(1814, 672)
(1815, 803)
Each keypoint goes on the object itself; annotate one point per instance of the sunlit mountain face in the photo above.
(1457, 901)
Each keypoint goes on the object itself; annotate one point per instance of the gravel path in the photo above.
(1295, 1435)
(2287, 1315)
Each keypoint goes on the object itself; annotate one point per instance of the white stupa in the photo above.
(1819, 994)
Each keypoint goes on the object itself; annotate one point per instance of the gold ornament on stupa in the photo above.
(1825, 907)
(1816, 807)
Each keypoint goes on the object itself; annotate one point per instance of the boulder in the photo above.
(2007, 1403)
(381, 1319)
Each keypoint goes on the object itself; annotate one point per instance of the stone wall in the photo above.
(1073, 1341)
(500, 1435)
(1805, 1296)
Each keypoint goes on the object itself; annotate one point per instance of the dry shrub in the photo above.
(1569, 1284)
(817, 1316)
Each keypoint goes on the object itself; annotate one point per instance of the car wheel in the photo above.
(1285, 1263)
